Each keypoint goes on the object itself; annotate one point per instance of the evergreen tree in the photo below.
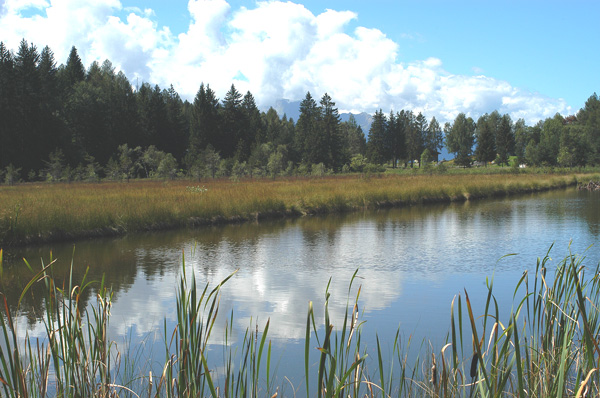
(505, 139)
(484, 133)
(460, 137)
(8, 109)
(251, 126)
(230, 136)
(399, 148)
(29, 128)
(152, 116)
(74, 71)
(204, 120)
(273, 128)
(307, 130)
(329, 142)
(176, 139)
(376, 143)
(522, 137)
(353, 138)
(434, 138)
(415, 128)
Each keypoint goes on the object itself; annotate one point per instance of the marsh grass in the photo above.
(43, 212)
(545, 346)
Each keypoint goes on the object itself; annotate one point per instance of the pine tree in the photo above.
(307, 130)
(353, 137)
(329, 139)
(486, 146)
(74, 71)
(204, 120)
(230, 138)
(176, 141)
(434, 139)
(8, 109)
(397, 127)
(376, 143)
(29, 128)
(251, 128)
(505, 139)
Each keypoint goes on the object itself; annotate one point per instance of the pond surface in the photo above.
(411, 263)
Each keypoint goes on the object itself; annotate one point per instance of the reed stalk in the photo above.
(545, 346)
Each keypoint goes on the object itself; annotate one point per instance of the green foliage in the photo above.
(358, 163)
(460, 137)
(11, 174)
(376, 146)
(94, 112)
(485, 132)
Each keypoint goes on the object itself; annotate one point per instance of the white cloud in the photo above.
(275, 50)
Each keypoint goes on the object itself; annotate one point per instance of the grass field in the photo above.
(32, 213)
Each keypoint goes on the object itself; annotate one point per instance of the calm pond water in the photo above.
(412, 262)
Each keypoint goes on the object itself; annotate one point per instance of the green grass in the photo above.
(43, 212)
(546, 346)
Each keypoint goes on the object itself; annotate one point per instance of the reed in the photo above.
(545, 346)
(44, 212)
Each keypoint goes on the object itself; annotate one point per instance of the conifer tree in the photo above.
(307, 130)
(204, 121)
(376, 143)
(8, 110)
(486, 147)
(329, 140)
(505, 139)
(434, 139)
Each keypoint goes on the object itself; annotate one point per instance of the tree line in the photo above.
(71, 123)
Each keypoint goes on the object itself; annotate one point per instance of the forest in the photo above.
(69, 123)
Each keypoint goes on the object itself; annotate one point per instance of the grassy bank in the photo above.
(547, 346)
(43, 212)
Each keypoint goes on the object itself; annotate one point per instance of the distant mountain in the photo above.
(363, 119)
(292, 110)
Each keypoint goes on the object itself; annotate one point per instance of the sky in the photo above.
(528, 58)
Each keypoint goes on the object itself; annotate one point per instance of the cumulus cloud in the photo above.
(275, 49)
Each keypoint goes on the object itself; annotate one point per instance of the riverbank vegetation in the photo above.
(40, 212)
(67, 123)
(545, 346)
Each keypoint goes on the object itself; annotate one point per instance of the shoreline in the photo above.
(301, 198)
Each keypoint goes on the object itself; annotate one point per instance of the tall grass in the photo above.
(545, 346)
(42, 212)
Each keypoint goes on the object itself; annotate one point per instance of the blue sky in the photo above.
(530, 59)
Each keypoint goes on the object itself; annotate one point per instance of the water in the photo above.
(412, 262)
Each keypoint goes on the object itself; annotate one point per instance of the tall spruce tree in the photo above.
(204, 121)
(434, 138)
(307, 130)
(176, 141)
(8, 109)
(486, 145)
(29, 127)
(74, 71)
(229, 137)
(376, 144)
(329, 138)
(505, 139)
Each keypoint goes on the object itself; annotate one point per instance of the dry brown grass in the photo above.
(38, 212)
